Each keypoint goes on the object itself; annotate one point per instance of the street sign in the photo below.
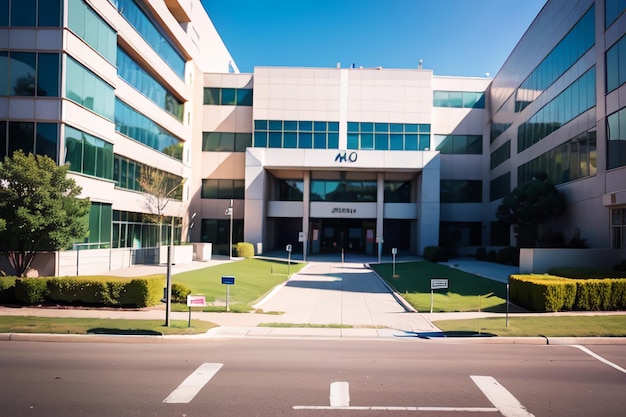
(228, 280)
(439, 283)
(228, 211)
(300, 236)
(196, 301)
(288, 248)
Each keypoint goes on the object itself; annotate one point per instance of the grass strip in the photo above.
(71, 325)
(562, 326)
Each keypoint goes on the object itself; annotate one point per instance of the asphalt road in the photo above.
(296, 377)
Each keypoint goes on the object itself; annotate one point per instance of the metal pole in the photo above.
(227, 297)
(168, 291)
(507, 304)
(431, 301)
(189, 322)
(394, 265)
(288, 264)
(230, 250)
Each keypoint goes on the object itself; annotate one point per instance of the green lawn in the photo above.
(254, 278)
(562, 326)
(69, 325)
(466, 292)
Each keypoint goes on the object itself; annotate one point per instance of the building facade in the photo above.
(324, 159)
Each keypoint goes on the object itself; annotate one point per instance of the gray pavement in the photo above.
(347, 297)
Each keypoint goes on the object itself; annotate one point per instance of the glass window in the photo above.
(22, 70)
(4, 15)
(242, 141)
(306, 140)
(353, 141)
(319, 140)
(333, 141)
(49, 12)
(3, 139)
(89, 90)
(48, 75)
(47, 139)
(291, 140)
(381, 142)
(228, 97)
(212, 96)
(23, 13)
(244, 97)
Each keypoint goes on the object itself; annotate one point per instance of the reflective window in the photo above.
(388, 136)
(302, 134)
(574, 45)
(461, 191)
(134, 230)
(217, 231)
(87, 89)
(616, 65)
(223, 189)
(574, 100)
(618, 228)
(496, 129)
(228, 96)
(500, 186)
(456, 234)
(37, 138)
(613, 9)
(99, 225)
(459, 144)
(397, 192)
(290, 190)
(226, 141)
(88, 154)
(150, 32)
(90, 27)
(503, 153)
(616, 139)
(343, 191)
(459, 99)
(32, 13)
(135, 125)
(135, 75)
(127, 174)
(574, 159)
(4, 12)
(30, 74)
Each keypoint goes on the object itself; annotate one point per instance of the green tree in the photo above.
(529, 205)
(40, 208)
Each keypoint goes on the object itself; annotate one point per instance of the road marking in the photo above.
(193, 383)
(504, 401)
(339, 394)
(389, 408)
(600, 358)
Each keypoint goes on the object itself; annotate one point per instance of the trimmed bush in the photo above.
(180, 293)
(31, 290)
(7, 289)
(436, 254)
(245, 250)
(553, 293)
(143, 292)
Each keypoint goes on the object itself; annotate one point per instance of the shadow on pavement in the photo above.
(432, 335)
(124, 332)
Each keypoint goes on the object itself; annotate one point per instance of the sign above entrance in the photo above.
(343, 210)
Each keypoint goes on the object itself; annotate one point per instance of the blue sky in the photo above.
(452, 37)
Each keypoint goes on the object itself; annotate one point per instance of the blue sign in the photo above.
(228, 280)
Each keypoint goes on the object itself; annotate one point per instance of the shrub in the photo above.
(481, 254)
(435, 254)
(543, 292)
(245, 250)
(491, 256)
(31, 290)
(7, 289)
(508, 256)
(180, 293)
(143, 292)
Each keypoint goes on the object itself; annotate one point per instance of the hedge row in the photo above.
(552, 293)
(96, 291)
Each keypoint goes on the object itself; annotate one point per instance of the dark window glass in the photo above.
(242, 141)
(276, 139)
(4, 14)
(23, 12)
(290, 190)
(49, 12)
(397, 192)
(21, 136)
(3, 140)
(333, 141)
(260, 140)
(306, 140)
(48, 75)
(4, 81)
(46, 142)
(209, 189)
(22, 69)
(260, 124)
(291, 140)
(244, 97)
(212, 96)
(381, 142)
(319, 140)
(228, 97)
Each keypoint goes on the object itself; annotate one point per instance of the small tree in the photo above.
(39, 207)
(529, 205)
(159, 188)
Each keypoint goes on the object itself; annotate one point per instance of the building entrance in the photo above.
(351, 235)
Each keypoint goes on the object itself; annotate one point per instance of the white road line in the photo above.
(193, 383)
(504, 401)
(339, 394)
(600, 358)
(386, 408)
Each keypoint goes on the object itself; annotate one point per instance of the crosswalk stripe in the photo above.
(500, 397)
(193, 383)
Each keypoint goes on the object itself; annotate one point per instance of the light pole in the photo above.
(229, 212)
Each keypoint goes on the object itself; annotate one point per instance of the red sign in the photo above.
(196, 301)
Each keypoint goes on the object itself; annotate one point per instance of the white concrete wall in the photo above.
(539, 261)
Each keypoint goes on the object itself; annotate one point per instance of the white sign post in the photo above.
(195, 301)
(394, 252)
(228, 281)
(437, 284)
